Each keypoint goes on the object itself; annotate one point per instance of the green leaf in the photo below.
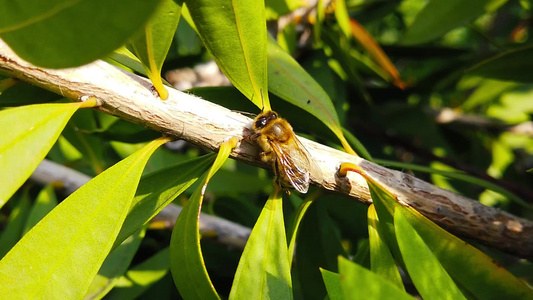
(333, 284)
(115, 265)
(153, 44)
(15, 223)
(234, 32)
(32, 132)
(439, 17)
(70, 33)
(318, 246)
(469, 267)
(289, 81)
(187, 263)
(427, 274)
(508, 65)
(381, 260)
(264, 269)
(69, 245)
(158, 189)
(24, 93)
(298, 217)
(45, 202)
(360, 283)
(141, 277)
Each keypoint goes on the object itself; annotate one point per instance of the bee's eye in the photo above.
(273, 115)
(261, 122)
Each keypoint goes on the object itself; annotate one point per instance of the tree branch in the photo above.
(185, 116)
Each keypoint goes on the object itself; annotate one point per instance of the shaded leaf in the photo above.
(289, 81)
(24, 93)
(33, 131)
(152, 45)
(158, 189)
(234, 32)
(12, 231)
(68, 246)
(45, 202)
(141, 277)
(439, 17)
(187, 263)
(70, 33)
(115, 265)
(264, 269)
(509, 65)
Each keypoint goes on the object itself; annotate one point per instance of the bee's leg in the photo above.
(251, 137)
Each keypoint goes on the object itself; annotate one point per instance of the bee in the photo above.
(291, 162)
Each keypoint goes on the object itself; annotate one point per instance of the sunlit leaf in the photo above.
(333, 284)
(235, 34)
(95, 28)
(264, 269)
(468, 266)
(68, 246)
(428, 275)
(360, 283)
(187, 263)
(381, 260)
(32, 132)
(153, 44)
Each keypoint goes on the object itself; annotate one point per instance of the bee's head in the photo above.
(262, 119)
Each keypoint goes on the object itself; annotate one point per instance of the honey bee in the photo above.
(291, 162)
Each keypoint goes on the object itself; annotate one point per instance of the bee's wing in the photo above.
(294, 162)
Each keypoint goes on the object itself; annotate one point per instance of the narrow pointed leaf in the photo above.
(508, 65)
(142, 276)
(115, 265)
(12, 232)
(428, 275)
(264, 269)
(468, 266)
(187, 263)
(234, 32)
(32, 132)
(69, 245)
(376, 52)
(70, 33)
(156, 190)
(333, 284)
(289, 81)
(381, 260)
(439, 17)
(45, 202)
(152, 45)
(360, 283)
